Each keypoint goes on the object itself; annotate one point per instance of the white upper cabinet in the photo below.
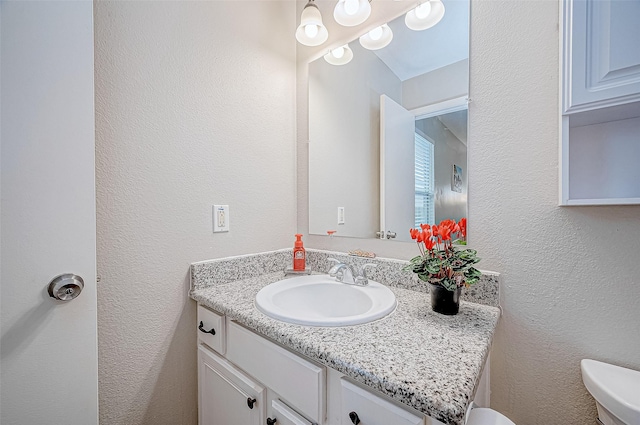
(600, 114)
(601, 53)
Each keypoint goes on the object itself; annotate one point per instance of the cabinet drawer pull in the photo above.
(201, 327)
(271, 421)
(354, 418)
(250, 402)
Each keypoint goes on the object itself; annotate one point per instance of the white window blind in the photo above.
(425, 210)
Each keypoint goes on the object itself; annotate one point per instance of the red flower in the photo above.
(444, 232)
(429, 244)
(463, 227)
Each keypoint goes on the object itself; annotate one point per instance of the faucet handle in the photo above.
(361, 279)
(363, 269)
(333, 271)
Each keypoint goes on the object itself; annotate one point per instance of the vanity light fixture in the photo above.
(377, 38)
(425, 15)
(350, 13)
(339, 56)
(311, 31)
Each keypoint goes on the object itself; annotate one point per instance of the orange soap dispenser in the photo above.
(299, 255)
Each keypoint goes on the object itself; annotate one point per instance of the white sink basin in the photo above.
(320, 300)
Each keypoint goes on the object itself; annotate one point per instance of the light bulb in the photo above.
(339, 56)
(425, 15)
(311, 31)
(376, 33)
(351, 7)
(338, 53)
(423, 10)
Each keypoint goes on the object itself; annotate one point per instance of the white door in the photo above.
(48, 348)
(397, 169)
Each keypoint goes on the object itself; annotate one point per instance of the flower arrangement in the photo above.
(440, 262)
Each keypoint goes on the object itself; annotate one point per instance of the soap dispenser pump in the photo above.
(299, 255)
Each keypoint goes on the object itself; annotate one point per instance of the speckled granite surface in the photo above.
(388, 272)
(420, 358)
(229, 269)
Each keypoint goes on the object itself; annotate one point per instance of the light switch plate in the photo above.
(340, 215)
(220, 218)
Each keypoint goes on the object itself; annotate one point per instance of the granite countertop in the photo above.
(423, 359)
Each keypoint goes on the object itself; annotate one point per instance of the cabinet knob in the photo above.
(354, 418)
(210, 331)
(250, 402)
(271, 421)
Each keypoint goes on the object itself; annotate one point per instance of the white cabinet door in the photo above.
(362, 407)
(602, 58)
(226, 396)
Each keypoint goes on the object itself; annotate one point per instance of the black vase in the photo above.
(444, 301)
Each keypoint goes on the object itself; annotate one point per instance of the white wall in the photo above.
(344, 135)
(195, 105)
(448, 82)
(605, 163)
(570, 276)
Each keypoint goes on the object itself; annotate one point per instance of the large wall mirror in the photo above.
(388, 132)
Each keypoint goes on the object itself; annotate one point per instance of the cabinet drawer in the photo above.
(285, 415)
(372, 409)
(208, 321)
(298, 381)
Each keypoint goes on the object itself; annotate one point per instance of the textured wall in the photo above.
(194, 106)
(570, 276)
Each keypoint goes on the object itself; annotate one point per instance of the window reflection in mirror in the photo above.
(418, 70)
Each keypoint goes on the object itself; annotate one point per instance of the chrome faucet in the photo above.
(346, 273)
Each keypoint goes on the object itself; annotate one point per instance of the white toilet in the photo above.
(616, 390)
(484, 416)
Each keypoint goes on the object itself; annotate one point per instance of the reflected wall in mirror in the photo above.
(426, 74)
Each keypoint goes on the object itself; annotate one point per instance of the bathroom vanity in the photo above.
(411, 367)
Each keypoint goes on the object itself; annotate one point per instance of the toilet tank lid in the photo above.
(614, 387)
(484, 416)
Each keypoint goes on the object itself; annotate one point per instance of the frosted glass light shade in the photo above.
(340, 56)
(350, 13)
(418, 19)
(377, 38)
(311, 31)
